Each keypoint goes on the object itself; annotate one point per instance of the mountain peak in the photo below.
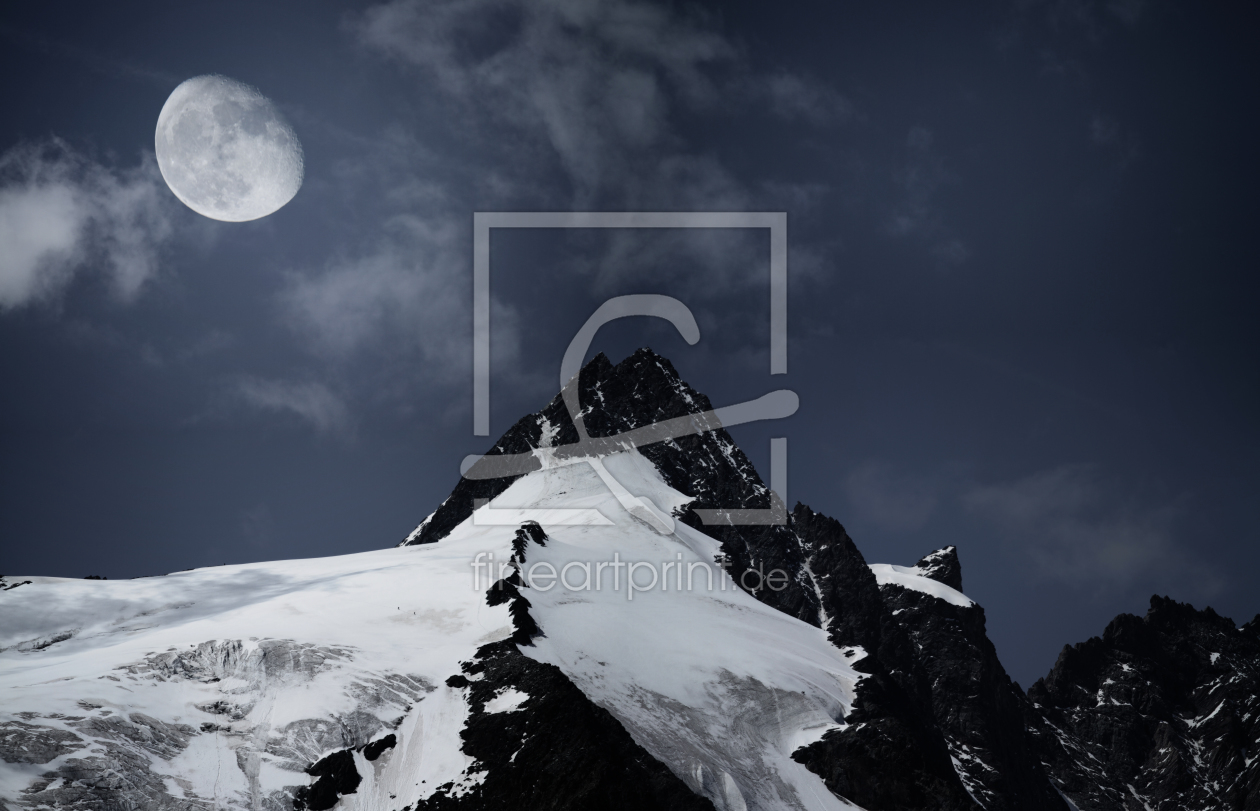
(642, 390)
(943, 567)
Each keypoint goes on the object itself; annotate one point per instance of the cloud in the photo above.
(62, 214)
(916, 215)
(258, 525)
(892, 502)
(405, 295)
(593, 82)
(1105, 133)
(593, 89)
(792, 96)
(1075, 526)
(561, 105)
(310, 401)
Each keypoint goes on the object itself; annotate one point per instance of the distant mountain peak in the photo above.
(943, 567)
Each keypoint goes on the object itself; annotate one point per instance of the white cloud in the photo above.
(309, 401)
(61, 214)
(407, 295)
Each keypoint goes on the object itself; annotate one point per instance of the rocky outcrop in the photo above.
(538, 741)
(893, 754)
(975, 704)
(1162, 712)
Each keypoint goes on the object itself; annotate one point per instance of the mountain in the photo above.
(585, 641)
(1162, 712)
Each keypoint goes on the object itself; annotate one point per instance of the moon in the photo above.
(225, 150)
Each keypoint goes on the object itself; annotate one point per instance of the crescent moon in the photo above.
(225, 150)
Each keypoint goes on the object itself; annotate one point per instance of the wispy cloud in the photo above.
(796, 97)
(311, 402)
(595, 83)
(563, 106)
(595, 90)
(917, 213)
(1078, 527)
(62, 214)
(405, 296)
(891, 501)
(1105, 133)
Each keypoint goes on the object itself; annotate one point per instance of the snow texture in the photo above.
(913, 578)
(219, 688)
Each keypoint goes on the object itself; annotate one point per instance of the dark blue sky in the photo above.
(1021, 259)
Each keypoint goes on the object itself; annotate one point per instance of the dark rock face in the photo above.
(558, 751)
(336, 775)
(943, 567)
(1161, 713)
(1145, 716)
(374, 749)
(976, 705)
(508, 590)
(893, 755)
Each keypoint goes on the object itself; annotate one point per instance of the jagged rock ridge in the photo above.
(1162, 712)
(895, 754)
(489, 702)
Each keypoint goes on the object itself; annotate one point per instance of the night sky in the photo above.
(1022, 276)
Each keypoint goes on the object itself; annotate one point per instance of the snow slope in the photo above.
(912, 577)
(251, 672)
(718, 686)
(215, 688)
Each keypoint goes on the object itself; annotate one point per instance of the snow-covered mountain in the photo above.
(582, 640)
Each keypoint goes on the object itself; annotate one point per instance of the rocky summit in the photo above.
(572, 634)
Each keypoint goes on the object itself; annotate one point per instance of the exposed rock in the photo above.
(893, 755)
(335, 775)
(557, 751)
(142, 731)
(374, 749)
(27, 743)
(943, 567)
(1162, 712)
(977, 706)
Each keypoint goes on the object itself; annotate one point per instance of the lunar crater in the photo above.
(226, 151)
